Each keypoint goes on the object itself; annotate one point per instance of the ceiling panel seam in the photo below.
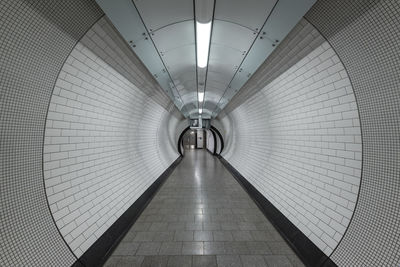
(158, 52)
(258, 34)
(195, 53)
(170, 24)
(209, 51)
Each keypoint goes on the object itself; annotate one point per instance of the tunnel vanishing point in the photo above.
(200, 133)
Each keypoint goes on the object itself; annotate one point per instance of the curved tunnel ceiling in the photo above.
(243, 35)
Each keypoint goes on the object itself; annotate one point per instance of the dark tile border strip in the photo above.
(99, 252)
(309, 253)
(220, 138)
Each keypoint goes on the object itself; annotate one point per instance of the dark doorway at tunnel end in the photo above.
(213, 131)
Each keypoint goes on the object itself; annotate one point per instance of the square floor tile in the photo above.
(277, 261)
(183, 236)
(280, 248)
(222, 236)
(203, 236)
(155, 261)
(140, 226)
(262, 236)
(159, 226)
(164, 236)
(229, 226)
(131, 261)
(236, 248)
(210, 226)
(192, 248)
(194, 227)
(214, 248)
(144, 236)
(181, 226)
(149, 248)
(253, 260)
(258, 247)
(242, 236)
(204, 261)
(229, 261)
(126, 249)
(179, 261)
(171, 248)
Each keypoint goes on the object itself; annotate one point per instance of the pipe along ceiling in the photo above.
(202, 52)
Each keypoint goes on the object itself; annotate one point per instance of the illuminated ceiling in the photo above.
(243, 34)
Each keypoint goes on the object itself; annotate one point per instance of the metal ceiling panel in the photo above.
(244, 34)
(216, 85)
(157, 14)
(179, 60)
(249, 13)
(128, 21)
(284, 16)
(174, 36)
(224, 55)
(222, 75)
(187, 76)
(232, 35)
(190, 97)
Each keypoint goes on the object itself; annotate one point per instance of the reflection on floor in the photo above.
(202, 217)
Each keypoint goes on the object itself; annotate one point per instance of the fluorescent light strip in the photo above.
(200, 110)
(203, 34)
(201, 97)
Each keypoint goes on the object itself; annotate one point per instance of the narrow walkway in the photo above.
(202, 217)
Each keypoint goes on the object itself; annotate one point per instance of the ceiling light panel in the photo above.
(204, 12)
(203, 35)
(201, 96)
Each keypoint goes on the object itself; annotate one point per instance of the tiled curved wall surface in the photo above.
(35, 39)
(298, 140)
(106, 141)
(109, 131)
(365, 34)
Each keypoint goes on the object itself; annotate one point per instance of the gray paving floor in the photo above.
(201, 216)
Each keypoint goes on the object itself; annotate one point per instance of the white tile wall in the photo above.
(298, 141)
(35, 39)
(365, 35)
(106, 140)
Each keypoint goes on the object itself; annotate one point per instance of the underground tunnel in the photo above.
(200, 133)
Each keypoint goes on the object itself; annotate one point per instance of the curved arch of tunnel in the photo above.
(180, 141)
(215, 141)
(221, 139)
(215, 132)
(86, 130)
